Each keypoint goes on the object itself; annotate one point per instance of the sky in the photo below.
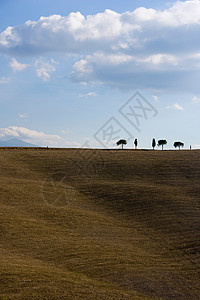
(86, 74)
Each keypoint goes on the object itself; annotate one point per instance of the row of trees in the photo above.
(160, 143)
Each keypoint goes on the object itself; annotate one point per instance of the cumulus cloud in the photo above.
(4, 80)
(144, 48)
(175, 106)
(45, 68)
(35, 137)
(17, 66)
(111, 30)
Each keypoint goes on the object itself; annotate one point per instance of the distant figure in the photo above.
(47, 147)
(190, 147)
(136, 143)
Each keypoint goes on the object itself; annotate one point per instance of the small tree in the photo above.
(153, 143)
(136, 143)
(178, 144)
(162, 143)
(121, 142)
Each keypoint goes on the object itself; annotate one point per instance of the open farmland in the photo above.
(99, 224)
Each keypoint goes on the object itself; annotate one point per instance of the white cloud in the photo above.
(160, 58)
(144, 48)
(44, 68)
(175, 106)
(82, 67)
(90, 94)
(23, 116)
(35, 137)
(4, 80)
(196, 100)
(107, 30)
(17, 66)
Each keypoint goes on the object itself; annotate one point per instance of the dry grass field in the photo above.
(99, 224)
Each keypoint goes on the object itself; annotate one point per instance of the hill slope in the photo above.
(97, 224)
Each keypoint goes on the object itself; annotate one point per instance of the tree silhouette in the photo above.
(121, 142)
(136, 143)
(153, 143)
(162, 143)
(178, 144)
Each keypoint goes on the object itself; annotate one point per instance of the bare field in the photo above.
(99, 224)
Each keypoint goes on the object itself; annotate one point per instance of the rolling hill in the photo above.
(99, 224)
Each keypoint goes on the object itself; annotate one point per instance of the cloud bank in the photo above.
(144, 48)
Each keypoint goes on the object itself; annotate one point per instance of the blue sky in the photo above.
(67, 68)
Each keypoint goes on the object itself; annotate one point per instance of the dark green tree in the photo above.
(121, 142)
(162, 143)
(153, 143)
(136, 143)
(178, 144)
